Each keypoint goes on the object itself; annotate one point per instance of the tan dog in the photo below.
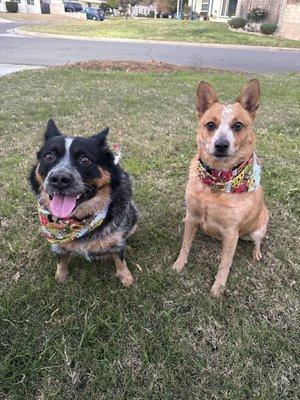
(223, 195)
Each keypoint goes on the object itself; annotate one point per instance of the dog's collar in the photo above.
(57, 230)
(243, 178)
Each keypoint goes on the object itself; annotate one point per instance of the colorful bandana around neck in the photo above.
(244, 178)
(57, 230)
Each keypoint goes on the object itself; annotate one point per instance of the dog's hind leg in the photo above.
(190, 229)
(62, 267)
(122, 271)
(229, 240)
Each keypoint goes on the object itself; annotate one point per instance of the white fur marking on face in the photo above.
(224, 130)
(65, 162)
(65, 165)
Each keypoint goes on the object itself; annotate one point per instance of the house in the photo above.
(272, 6)
(284, 12)
(289, 19)
(219, 10)
(46, 6)
(27, 6)
(222, 10)
(140, 9)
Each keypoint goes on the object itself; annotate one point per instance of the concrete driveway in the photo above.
(18, 49)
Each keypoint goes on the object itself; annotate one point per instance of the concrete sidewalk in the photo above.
(5, 21)
(6, 69)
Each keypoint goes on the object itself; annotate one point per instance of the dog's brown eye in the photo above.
(238, 126)
(211, 126)
(49, 157)
(85, 161)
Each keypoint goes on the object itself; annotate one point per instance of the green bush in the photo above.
(268, 29)
(141, 15)
(11, 6)
(257, 14)
(237, 23)
(151, 14)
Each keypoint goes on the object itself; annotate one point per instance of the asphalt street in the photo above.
(38, 51)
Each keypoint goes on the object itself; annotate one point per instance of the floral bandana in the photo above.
(244, 178)
(57, 230)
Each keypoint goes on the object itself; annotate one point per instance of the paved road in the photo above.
(17, 49)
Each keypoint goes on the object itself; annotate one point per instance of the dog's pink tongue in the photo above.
(62, 206)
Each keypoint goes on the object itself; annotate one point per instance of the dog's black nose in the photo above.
(222, 145)
(60, 180)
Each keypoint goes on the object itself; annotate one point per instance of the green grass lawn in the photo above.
(161, 29)
(165, 338)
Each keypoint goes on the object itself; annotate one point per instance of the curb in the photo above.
(122, 40)
(5, 21)
(8, 69)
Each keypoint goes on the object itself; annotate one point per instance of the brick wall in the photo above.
(289, 22)
(273, 7)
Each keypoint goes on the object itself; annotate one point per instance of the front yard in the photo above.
(165, 338)
(160, 29)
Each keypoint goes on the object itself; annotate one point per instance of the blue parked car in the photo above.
(94, 13)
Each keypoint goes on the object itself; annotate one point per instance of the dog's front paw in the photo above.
(217, 290)
(61, 276)
(178, 266)
(126, 278)
(257, 256)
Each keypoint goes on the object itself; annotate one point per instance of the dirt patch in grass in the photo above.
(133, 66)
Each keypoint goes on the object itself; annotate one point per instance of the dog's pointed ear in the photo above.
(51, 130)
(250, 96)
(101, 137)
(206, 97)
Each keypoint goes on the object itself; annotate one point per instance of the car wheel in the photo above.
(95, 18)
(69, 10)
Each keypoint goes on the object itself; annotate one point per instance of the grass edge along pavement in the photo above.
(165, 338)
(161, 30)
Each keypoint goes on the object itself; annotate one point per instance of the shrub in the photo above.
(237, 23)
(141, 15)
(268, 29)
(151, 14)
(252, 27)
(11, 6)
(257, 14)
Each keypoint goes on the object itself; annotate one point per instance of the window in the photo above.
(30, 2)
(16, 1)
(228, 8)
(204, 5)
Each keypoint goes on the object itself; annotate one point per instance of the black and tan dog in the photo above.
(84, 200)
(224, 196)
